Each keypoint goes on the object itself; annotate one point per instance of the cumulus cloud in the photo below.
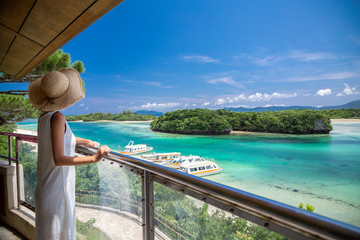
(267, 97)
(235, 99)
(348, 91)
(220, 101)
(198, 58)
(226, 80)
(206, 104)
(323, 92)
(274, 105)
(254, 97)
(160, 105)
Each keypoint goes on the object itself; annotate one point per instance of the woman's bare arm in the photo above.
(86, 142)
(57, 138)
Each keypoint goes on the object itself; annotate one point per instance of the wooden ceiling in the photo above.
(31, 30)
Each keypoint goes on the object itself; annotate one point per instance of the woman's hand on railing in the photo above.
(101, 152)
(86, 142)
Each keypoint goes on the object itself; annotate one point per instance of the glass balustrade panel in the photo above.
(27, 170)
(108, 202)
(182, 217)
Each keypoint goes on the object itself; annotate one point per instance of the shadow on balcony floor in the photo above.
(8, 233)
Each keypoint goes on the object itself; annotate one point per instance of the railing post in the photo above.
(10, 148)
(17, 171)
(147, 206)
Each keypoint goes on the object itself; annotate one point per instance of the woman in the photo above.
(55, 189)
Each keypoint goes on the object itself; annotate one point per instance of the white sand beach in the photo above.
(27, 132)
(345, 120)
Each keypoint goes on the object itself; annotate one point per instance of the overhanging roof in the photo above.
(31, 30)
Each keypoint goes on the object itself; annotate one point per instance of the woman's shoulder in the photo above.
(58, 116)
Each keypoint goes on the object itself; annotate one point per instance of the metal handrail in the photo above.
(279, 217)
(289, 221)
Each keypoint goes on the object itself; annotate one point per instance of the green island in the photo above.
(124, 116)
(204, 121)
(192, 121)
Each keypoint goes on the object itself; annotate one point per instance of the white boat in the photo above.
(132, 149)
(176, 162)
(160, 157)
(200, 168)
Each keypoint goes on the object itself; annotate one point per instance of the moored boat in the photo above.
(200, 169)
(132, 149)
(176, 162)
(160, 157)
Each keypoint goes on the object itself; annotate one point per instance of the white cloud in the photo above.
(348, 91)
(226, 80)
(323, 92)
(326, 76)
(237, 106)
(267, 97)
(254, 98)
(220, 101)
(160, 105)
(309, 56)
(235, 99)
(263, 59)
(206, 104)
(198, 58)
(82, 104)
(158, 84)
(274, 105)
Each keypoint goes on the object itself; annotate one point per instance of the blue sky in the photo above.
(165, 55)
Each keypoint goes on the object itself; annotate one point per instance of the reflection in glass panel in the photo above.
(27, 162)
(182, 217)
(108, 202)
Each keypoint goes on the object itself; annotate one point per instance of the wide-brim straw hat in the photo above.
(56, 90)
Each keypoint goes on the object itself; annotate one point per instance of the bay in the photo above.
(322, 170)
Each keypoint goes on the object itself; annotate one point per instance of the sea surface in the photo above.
(322, 170)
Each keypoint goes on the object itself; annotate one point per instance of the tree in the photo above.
(55, 62)
(14, 105)
(15, 108)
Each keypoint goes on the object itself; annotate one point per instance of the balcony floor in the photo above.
(9, 233)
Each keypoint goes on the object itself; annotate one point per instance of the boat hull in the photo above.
(137, 152)
(207, 173)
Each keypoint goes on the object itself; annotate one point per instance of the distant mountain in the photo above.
(146, 112)
(350, 105)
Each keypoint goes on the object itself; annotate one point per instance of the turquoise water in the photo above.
(322, 170)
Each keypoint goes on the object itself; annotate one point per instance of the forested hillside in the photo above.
(124, 116)
(289, 121)
(192, 121)
(204, 121)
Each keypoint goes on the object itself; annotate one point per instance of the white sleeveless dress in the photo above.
(55, 189)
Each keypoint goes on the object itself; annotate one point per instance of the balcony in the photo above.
(123, 197)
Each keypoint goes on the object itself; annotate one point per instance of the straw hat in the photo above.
(56, 90)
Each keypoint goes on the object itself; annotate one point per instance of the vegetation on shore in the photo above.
(204, 121)
(192, 121)
(289, 121)
(124, 116)
(341, 113)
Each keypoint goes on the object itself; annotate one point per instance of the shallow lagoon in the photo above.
(322, 170)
